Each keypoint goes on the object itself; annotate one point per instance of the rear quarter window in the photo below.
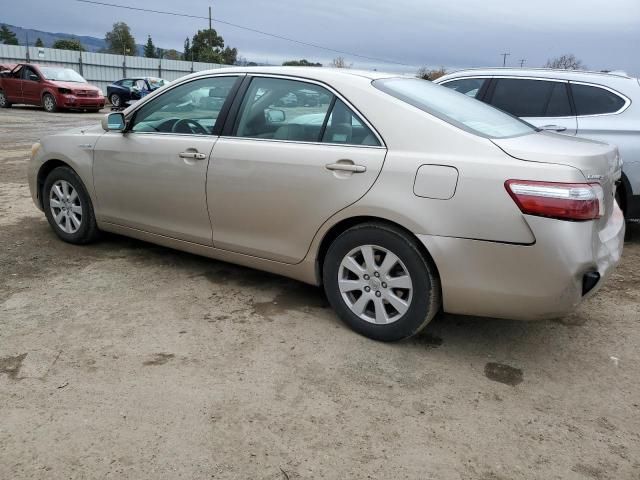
(592, 100)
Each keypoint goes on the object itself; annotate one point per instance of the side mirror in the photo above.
(274, 116)
(113, 122)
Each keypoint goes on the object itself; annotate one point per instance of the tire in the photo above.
(83, 229)
(4, 101)
(115, 100)
(49, 103)
(370, 313)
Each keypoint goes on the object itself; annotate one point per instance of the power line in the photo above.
(254, 30)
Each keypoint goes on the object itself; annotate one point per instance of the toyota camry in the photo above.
(401, 198)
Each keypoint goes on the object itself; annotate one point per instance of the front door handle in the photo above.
(554, 128)
(192, 155)
(347, 167)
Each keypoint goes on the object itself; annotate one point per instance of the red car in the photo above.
(53, 88)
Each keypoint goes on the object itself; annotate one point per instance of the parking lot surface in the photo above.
(123, 359)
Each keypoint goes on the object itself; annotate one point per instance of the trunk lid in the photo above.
(599, 162)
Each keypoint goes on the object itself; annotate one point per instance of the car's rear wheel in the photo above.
(49, 103)
(68, 207)
(115, 100)
(379, 282)
(4, 101)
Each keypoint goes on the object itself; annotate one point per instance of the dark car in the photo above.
(128, 89)
(53, 88)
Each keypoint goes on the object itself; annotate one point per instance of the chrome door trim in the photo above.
(302, 142)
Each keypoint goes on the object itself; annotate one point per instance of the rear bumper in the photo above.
(526, 282)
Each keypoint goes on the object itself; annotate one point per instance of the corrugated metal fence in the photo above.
(101, 69)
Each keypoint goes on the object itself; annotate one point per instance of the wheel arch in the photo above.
(627, 192)
(343, 225)
(45, 169)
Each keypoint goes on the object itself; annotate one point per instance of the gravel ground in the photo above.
(127, 360)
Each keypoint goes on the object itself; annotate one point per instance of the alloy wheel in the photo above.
(49, 103)
(375, 284)
(3, 100)
(65, 206)
(115, 100)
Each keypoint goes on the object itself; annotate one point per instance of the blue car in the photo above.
(122, 92)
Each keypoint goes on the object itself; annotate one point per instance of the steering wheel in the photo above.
(191, 125)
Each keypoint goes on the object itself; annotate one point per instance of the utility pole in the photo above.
(504, 58)
(522, 60)
(210, 31)
(27, 49)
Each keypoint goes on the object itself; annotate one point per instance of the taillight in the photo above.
(565, 201)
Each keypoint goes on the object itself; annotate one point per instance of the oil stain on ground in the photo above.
(294, 296)
(12, 365)
(499, 372)
(158, 359)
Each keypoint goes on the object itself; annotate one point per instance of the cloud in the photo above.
(414, 32)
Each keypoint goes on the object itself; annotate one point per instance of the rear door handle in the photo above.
(554, 128)
(192, 155)
(347, 167)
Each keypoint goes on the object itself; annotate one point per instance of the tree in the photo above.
(39, 42)
(568, 61)
(186, 54)
(208, 46)
(150, 49)
(119, 40)
(300, 63)
(171, 54)
(431, 74)
(68, 44)
(339, 62)
(7, 36)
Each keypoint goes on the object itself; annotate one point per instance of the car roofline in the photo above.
(539, 70)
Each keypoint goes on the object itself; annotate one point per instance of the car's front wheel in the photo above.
(68, 207)
(379, 282)
(4, 101)
(115, 100)
(49, 103)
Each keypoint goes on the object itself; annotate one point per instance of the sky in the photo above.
(410, 33)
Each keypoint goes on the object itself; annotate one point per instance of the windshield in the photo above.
(62, 75)
(454, 108)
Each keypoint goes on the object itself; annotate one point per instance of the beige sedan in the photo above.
(402, 198)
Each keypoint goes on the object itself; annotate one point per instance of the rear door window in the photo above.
(282, 109)
(591, 100)
(531, 98)
(468, 86)
(344, 127)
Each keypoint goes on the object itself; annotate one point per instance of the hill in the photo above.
(92, 44)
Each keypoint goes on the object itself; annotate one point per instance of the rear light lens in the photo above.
(565, 201)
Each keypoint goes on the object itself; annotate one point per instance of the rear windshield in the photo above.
(455, 108)
(62, 75)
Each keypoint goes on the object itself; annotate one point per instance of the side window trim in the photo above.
(627, 100)
(131, 117)
(326, 119)
(233, 117)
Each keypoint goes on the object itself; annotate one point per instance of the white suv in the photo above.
(601, 106)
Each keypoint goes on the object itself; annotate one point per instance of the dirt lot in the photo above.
(127, 360)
